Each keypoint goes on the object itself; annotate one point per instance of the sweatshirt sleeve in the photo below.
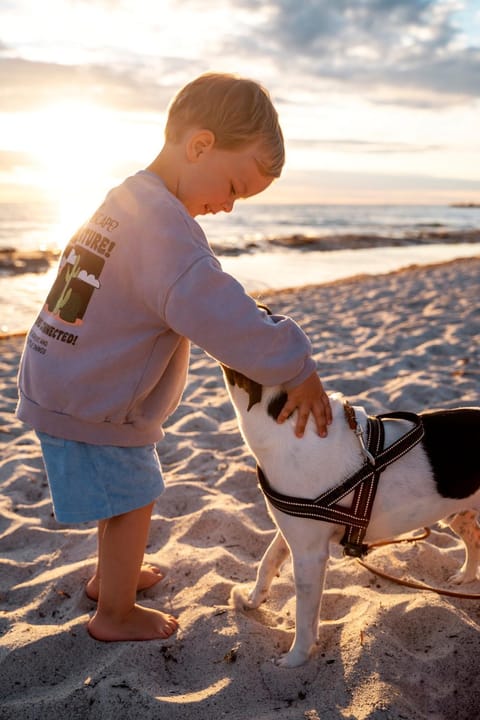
(208, 306)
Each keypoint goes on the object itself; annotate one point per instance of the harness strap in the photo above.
(364, 482)
(364, 495)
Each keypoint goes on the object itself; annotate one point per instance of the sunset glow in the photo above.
(378, 101)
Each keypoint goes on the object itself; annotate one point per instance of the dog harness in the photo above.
(363, 483)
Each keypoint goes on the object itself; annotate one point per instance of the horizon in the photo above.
(36, 199)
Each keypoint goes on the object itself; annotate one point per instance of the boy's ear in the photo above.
(200, 142)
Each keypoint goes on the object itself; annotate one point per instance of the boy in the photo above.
(105, 363)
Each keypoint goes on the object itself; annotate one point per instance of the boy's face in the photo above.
(213, 179)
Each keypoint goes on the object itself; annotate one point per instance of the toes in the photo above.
(152, 572)
(152, 568)
(170, 626)
(290, 661)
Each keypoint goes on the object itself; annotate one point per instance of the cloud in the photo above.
(401, 52)
(457, 75)
(327, 186)
(385, 48)
(364, 146)
(27, 84)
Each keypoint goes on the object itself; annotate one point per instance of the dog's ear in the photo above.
(229, 373)
(252, 388)
(254, 391)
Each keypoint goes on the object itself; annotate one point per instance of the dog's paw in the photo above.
(292, 659)
(241, 601)
(296, 656)
(463, 577)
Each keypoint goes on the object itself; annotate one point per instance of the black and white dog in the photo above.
(436, 479)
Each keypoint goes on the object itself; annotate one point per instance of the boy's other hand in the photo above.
(309, 397)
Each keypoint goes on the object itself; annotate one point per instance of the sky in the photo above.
(379, 100)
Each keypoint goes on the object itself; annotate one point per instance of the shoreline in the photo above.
(21, 295)
(362, 277)
(295, 268)
(273, 292)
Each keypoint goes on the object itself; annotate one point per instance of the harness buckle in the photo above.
(366, 453)
(354, 425)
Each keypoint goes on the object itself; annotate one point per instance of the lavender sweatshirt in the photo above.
(106, 360)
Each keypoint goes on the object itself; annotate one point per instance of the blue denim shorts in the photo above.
(94, 482)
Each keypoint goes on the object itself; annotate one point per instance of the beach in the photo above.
(406, 340)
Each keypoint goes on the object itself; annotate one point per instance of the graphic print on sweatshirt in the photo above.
(77, 280)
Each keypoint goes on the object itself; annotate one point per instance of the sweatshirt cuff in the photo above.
(308, 368)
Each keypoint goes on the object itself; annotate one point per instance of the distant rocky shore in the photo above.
(465, 205)
(16, 262)
(349, 241)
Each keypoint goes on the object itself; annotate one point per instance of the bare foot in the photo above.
(139, 624)
(150, 575)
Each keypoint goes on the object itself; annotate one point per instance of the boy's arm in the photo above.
(308, 397)
(212, 309)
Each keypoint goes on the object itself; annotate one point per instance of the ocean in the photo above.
(264, 246)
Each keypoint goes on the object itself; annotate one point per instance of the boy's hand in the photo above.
(309, 397)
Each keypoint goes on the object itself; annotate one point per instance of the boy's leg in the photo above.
(149, 574)
(118, 617)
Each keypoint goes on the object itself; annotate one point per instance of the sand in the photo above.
(407, 340)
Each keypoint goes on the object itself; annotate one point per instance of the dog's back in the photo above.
(452, 443)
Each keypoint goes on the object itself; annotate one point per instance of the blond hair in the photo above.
(238, 111)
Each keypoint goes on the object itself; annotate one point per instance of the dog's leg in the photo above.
(309, 571)
(274, 557)
(465, 525)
